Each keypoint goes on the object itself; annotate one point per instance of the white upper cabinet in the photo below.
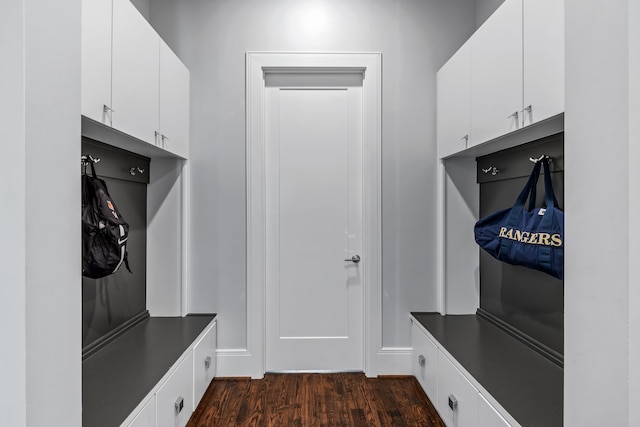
(131, 80)
(543, 59)
(515, 75)
(174, 103)
(454, 103)
(496, 77)
(136, 62)
(96, 60)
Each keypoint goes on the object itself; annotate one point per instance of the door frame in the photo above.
(257, 65)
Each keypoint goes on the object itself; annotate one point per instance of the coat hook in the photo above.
(494, 170)
(543, 157)
(86, 159)
(134, 169)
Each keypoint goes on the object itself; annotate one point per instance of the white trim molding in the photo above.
(257, 65)
(234, 362)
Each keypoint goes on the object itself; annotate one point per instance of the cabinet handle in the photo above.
(105, 111)
(207, 362)
(453, 402)
(421, 360)
(159, 138)
(179, 405)
(466, 140)
(528, 109)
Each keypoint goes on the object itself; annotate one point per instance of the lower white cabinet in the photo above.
(457, 398)
(425, 362)
(174, 400)
(456, 395)
(147, 416)
(488, 416)
(204, 363)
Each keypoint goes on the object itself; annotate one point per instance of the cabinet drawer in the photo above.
(457, 398)
(425, 362)
(147, 416)
(174, 400)
(488, 416)
(204, 363)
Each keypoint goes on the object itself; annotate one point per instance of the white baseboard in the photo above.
(237, 362)
(241, 363)
(391, 361)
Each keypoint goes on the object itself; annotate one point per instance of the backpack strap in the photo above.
(93, 169)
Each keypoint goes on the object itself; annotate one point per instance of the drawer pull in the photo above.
(207, 362)
(179, 405)
(421, 360)
(453, 402)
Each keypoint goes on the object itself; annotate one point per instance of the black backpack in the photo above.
(104, 230)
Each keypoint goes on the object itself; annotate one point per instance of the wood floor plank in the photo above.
(310, 400)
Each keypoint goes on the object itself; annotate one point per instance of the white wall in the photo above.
(164, 237)
(13, 398)
(143, 7)
(40, 296)
(415, 38)
(53, 261)
(634, 212)
(484, 9)
(602, 232)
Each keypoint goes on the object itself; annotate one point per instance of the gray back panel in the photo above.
(530, 301)
(109, 302)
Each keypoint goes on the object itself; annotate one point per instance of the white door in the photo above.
(314, 294)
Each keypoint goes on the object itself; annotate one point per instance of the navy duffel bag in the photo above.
(533, 238)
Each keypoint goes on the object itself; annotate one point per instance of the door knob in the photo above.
(355, 259)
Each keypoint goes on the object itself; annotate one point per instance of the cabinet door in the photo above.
(96, 60)
(496, 74)
(174, 103)
(454, 102)
(135, 92)
(488, 416)
(457, 398)
(543, 59)
(425, 362)
(204, 364)
(147, 416)
(174, 399)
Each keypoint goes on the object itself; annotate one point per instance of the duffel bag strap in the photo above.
(516, 212)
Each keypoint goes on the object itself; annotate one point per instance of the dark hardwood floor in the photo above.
(290, 400)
